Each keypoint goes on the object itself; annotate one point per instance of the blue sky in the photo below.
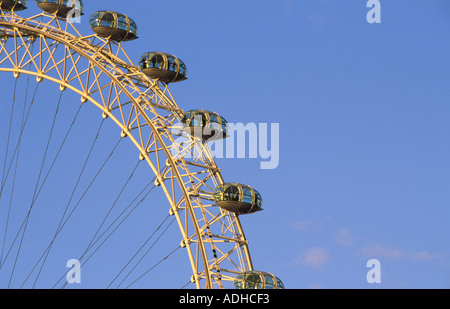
(363, 113)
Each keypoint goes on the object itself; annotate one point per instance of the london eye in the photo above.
(61, 81)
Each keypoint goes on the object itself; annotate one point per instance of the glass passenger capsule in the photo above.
(237, 198)
(13, 5)
(257, 280)
(60, 8)
(113, 26)
(205, 124)
(164, 67)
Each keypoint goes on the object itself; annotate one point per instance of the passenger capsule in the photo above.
(237, 198)
(204, 124)
(257, 280)
(113, 26)
(13, 5)
(164, 67)
(60, 8)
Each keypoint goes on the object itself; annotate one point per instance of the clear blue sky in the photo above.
(364, 115)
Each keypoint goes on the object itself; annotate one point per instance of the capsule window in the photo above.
(214, 122)
(183, 70)
(157, 61)
(172, 64)
(247, 195)
(186, 117)
(94, 19)
(213, 118)
(107, 20)
(122, 23)
(231, 193)
(269, 282)
(280, 284)
(258, 199)
(133, 27)
(224, 125)
(153, 62)
(199, 120)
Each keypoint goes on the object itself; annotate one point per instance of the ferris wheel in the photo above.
(134, 104)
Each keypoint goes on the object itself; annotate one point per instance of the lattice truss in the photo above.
(101, 72)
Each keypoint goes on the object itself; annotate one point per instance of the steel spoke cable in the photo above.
(187, 283)
(61, 223)
(92, 242)
(9, 133)
(110, 226)
(4, 169)
(123, 212)
(44, 156)
(58, 152)
(139, 250)
(90, 184)
(12, 195)
(16, 156)
(45, 153)
(81, 173)
(20, 136)
(115, 202)
(119, 224)
(47, 147)
(90, 245)
(45, 179)
(85, 192)
(148, 250)
(162, 260)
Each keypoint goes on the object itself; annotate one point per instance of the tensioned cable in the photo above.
(115, 229)
(4, 169)
(90, 185)
(71, 197)
(98, 230)
(92, 242)
(19, 140)
(187, 283)
(118, 225)
(120, 215)
(79, 201)
(139, 250)
(114, 204)
(46, 177)
(47, 147)
(24, 122)
(43, 162)
(148, 250)
(40, 172)
(45, 155)
(162, 260)
(9, 133)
